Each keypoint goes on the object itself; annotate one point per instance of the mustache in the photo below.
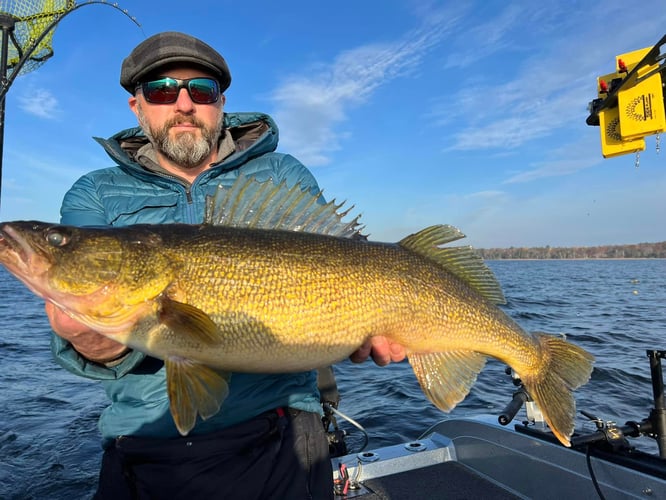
(181, 120)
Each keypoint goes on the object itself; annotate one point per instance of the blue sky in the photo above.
(418, 112)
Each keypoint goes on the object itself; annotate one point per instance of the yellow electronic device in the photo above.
(612, 142)
(630, 102)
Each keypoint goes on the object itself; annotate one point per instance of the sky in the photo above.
(416, 112)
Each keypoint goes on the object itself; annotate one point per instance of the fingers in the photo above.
(382, 351)
(62, 324)
(398, 352)
(362, 353)
(86, 341)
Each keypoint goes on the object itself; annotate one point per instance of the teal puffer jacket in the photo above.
(128, 194)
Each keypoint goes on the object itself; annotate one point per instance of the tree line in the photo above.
(636, 251)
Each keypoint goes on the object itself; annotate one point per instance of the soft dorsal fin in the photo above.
(251, 203)
(463, 261)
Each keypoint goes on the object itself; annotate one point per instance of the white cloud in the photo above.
(478, 41)
(309, 108)
(542, 92)
(39, 102)
(509, 115)
(565, 159)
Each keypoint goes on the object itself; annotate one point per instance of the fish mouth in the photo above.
(23, 259)
(16, 253)
(12, 244)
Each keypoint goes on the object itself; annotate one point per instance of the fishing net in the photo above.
(26, 29)
(34, 25)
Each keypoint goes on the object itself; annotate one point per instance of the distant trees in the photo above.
(637, 251)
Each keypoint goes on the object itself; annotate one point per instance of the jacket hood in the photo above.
(254, 134)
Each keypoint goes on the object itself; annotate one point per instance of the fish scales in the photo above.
(304, 288)
(214, 299)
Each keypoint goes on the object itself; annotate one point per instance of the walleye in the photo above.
(275, 281)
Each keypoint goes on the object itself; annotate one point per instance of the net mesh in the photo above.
(33, 18)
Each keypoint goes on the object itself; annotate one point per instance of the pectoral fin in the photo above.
(189, 320)
(194, 389)
(446, 377)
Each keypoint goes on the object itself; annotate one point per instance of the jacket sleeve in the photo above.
(67, 357)
(82, 207)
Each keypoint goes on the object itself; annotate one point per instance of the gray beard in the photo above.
(185, 150)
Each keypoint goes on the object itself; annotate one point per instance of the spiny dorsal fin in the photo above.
(464, 262)
(250, 203)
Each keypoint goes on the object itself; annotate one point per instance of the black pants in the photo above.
(277, 455)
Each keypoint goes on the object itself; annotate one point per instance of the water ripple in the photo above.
(49, 442)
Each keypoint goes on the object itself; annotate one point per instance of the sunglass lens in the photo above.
(162, 91)
(165, 91)
(203, 90)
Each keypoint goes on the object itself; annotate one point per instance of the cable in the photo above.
(592, 474)
(351, 421)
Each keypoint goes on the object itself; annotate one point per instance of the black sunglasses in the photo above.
(166, 90)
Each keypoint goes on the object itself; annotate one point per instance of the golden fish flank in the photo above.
(213, 299)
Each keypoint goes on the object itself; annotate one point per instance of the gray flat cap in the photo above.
(172, 47)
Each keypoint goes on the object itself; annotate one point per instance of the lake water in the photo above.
(616, 309)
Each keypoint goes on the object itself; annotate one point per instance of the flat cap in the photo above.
(172, 47)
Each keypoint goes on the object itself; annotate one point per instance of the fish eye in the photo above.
(56, 238)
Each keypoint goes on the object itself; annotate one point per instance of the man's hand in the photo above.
(381, 350)
(87, 342)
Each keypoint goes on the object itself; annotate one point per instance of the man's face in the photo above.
(184, 132)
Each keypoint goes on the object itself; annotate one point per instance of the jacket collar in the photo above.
(251, 135)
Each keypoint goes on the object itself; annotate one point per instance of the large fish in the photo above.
(216, 298)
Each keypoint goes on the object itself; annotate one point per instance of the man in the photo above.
(267, 441)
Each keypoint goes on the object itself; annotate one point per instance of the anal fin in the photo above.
(194, 390)
(447, 377)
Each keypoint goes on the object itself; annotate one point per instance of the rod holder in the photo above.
(658, 413)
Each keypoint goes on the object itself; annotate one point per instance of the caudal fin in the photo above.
(565, 368)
